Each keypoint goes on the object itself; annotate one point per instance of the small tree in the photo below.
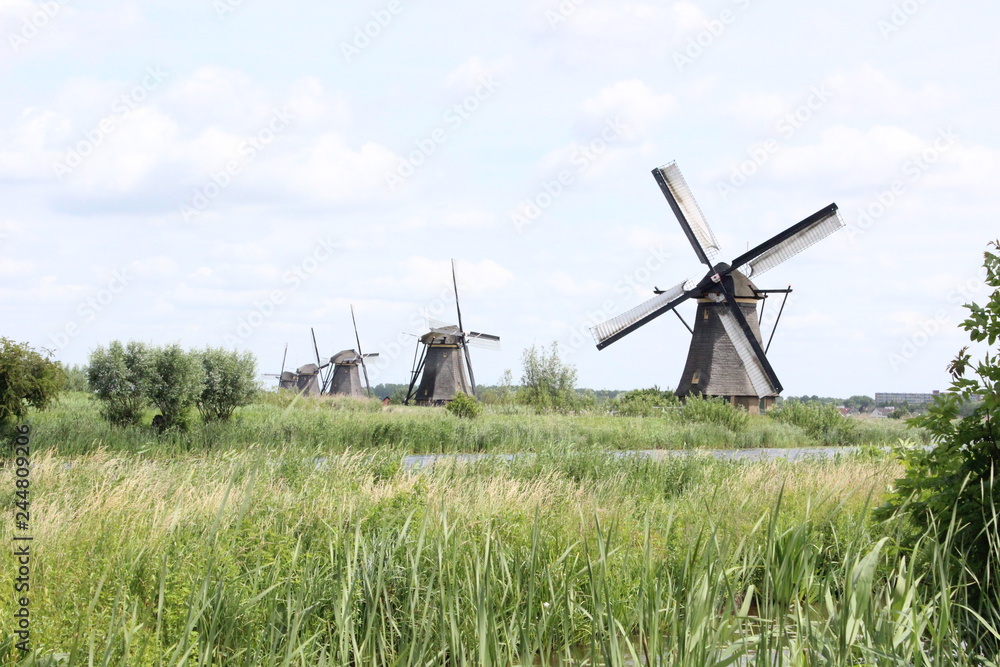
(547, 381)
(644, 402)
(175, 383)
(230, 381)
(27, 379)
(120, 376)
(959, 474)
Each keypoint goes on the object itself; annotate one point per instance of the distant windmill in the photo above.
(443, 361)
(286, 379)
(725, 358)
(346, 380)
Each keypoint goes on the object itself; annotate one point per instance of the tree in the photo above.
(120, 376)
(176, 380)
(464, 405)
(230, 381)
(27, 379)
(644, 402)
(957, 475)
(547, 382)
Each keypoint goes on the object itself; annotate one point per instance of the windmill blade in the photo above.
(762, 376)
(468, 363)
(315, 346)
(790, 242)
(486, 341)
(688, 213)
(438, 324)
(283, 358)
(415, 370)
(369, 355)
(458, 308)
(608, 332)
(361, 354)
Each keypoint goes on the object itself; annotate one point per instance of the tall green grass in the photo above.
(287, 556)
(73, 427)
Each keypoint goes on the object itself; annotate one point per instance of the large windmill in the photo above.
(725, 358)
(346, 380)
(440, 366)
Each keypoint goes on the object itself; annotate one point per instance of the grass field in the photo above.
(335, 425)
(222, 547)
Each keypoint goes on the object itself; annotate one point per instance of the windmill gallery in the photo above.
(727, 357)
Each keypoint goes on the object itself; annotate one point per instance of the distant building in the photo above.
(900, 399)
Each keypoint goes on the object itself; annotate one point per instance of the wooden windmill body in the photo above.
(439, 370)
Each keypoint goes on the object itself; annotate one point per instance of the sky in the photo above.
(235, 172)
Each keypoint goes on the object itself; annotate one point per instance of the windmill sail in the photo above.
(790, 242)
(755, 369)
(608, 332)
(688, 213)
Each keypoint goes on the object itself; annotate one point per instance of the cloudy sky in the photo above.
(234, 172)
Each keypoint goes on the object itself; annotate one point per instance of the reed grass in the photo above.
(292, 556)
(73, 427)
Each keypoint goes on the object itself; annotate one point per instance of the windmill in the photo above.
(442, 363)
(346, 380)
(725, 358)
(286, 379)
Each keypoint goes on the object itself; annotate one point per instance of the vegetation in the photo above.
(546, 381)
(28, 378)
(464, 406)
(119, 376)
(644, 402)
(129, 378)
(957, 477)
(230, 382)
(270, 556)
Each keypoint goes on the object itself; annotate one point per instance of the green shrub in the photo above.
(957, 477)
(176, 380)
(644, 402)
(27, 378)
(822, 421)
(230, 381)
(464, 406)
(119, 376)
(548, 382)
(715, 411)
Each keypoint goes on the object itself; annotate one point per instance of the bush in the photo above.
(76, 377)
(822, 421)
(176, 380)
(644, 402)
(119, 376)
(547, 381)
(230, 381)
(712, 410)
(464, 406)
(27, 379)
(957, 477)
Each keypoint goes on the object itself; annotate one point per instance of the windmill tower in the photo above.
(444, 359)
(346, 380)
(726, 357)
